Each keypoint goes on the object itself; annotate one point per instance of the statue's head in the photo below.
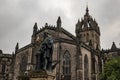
(45, 34)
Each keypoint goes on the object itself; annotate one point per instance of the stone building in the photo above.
(80, 55)
(108, 54)
(5, 66)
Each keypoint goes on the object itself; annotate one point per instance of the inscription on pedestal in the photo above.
(41, 75)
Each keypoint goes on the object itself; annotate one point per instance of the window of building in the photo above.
(94, 69)
(23, 63)
(3, 68)
(86, 68)
(67, 66)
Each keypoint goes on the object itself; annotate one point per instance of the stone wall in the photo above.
(28, 53)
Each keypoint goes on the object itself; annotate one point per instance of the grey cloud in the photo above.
(110, 11)
(110, 22)
(17, 18)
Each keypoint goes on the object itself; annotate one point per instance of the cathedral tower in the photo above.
(87, 31)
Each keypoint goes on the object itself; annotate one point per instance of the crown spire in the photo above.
(87, 10)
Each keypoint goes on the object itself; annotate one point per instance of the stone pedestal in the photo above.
(41, 75)
(23, 78)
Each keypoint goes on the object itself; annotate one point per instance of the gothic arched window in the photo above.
(67, 66)
(86, 68)
(93, 68)
(23, 63)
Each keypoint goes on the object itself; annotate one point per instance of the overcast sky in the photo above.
(17, 18)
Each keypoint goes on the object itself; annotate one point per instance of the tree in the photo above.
(111, 70)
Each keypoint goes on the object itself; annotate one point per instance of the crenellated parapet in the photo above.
(51, 27)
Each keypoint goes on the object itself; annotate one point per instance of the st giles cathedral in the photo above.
(79, 56)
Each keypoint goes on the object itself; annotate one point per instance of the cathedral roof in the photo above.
(57, 29)
(6, 55)
(113, 47)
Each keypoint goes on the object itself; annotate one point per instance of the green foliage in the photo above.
(111, 70)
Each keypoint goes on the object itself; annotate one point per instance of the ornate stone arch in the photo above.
(86, 68)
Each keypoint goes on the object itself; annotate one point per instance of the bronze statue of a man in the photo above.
(44, 57)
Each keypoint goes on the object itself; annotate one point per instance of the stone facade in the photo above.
(6, 71)
(80, 56)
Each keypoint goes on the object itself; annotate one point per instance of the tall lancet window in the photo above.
(67, 66)
(86, 68)
(23, 63)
